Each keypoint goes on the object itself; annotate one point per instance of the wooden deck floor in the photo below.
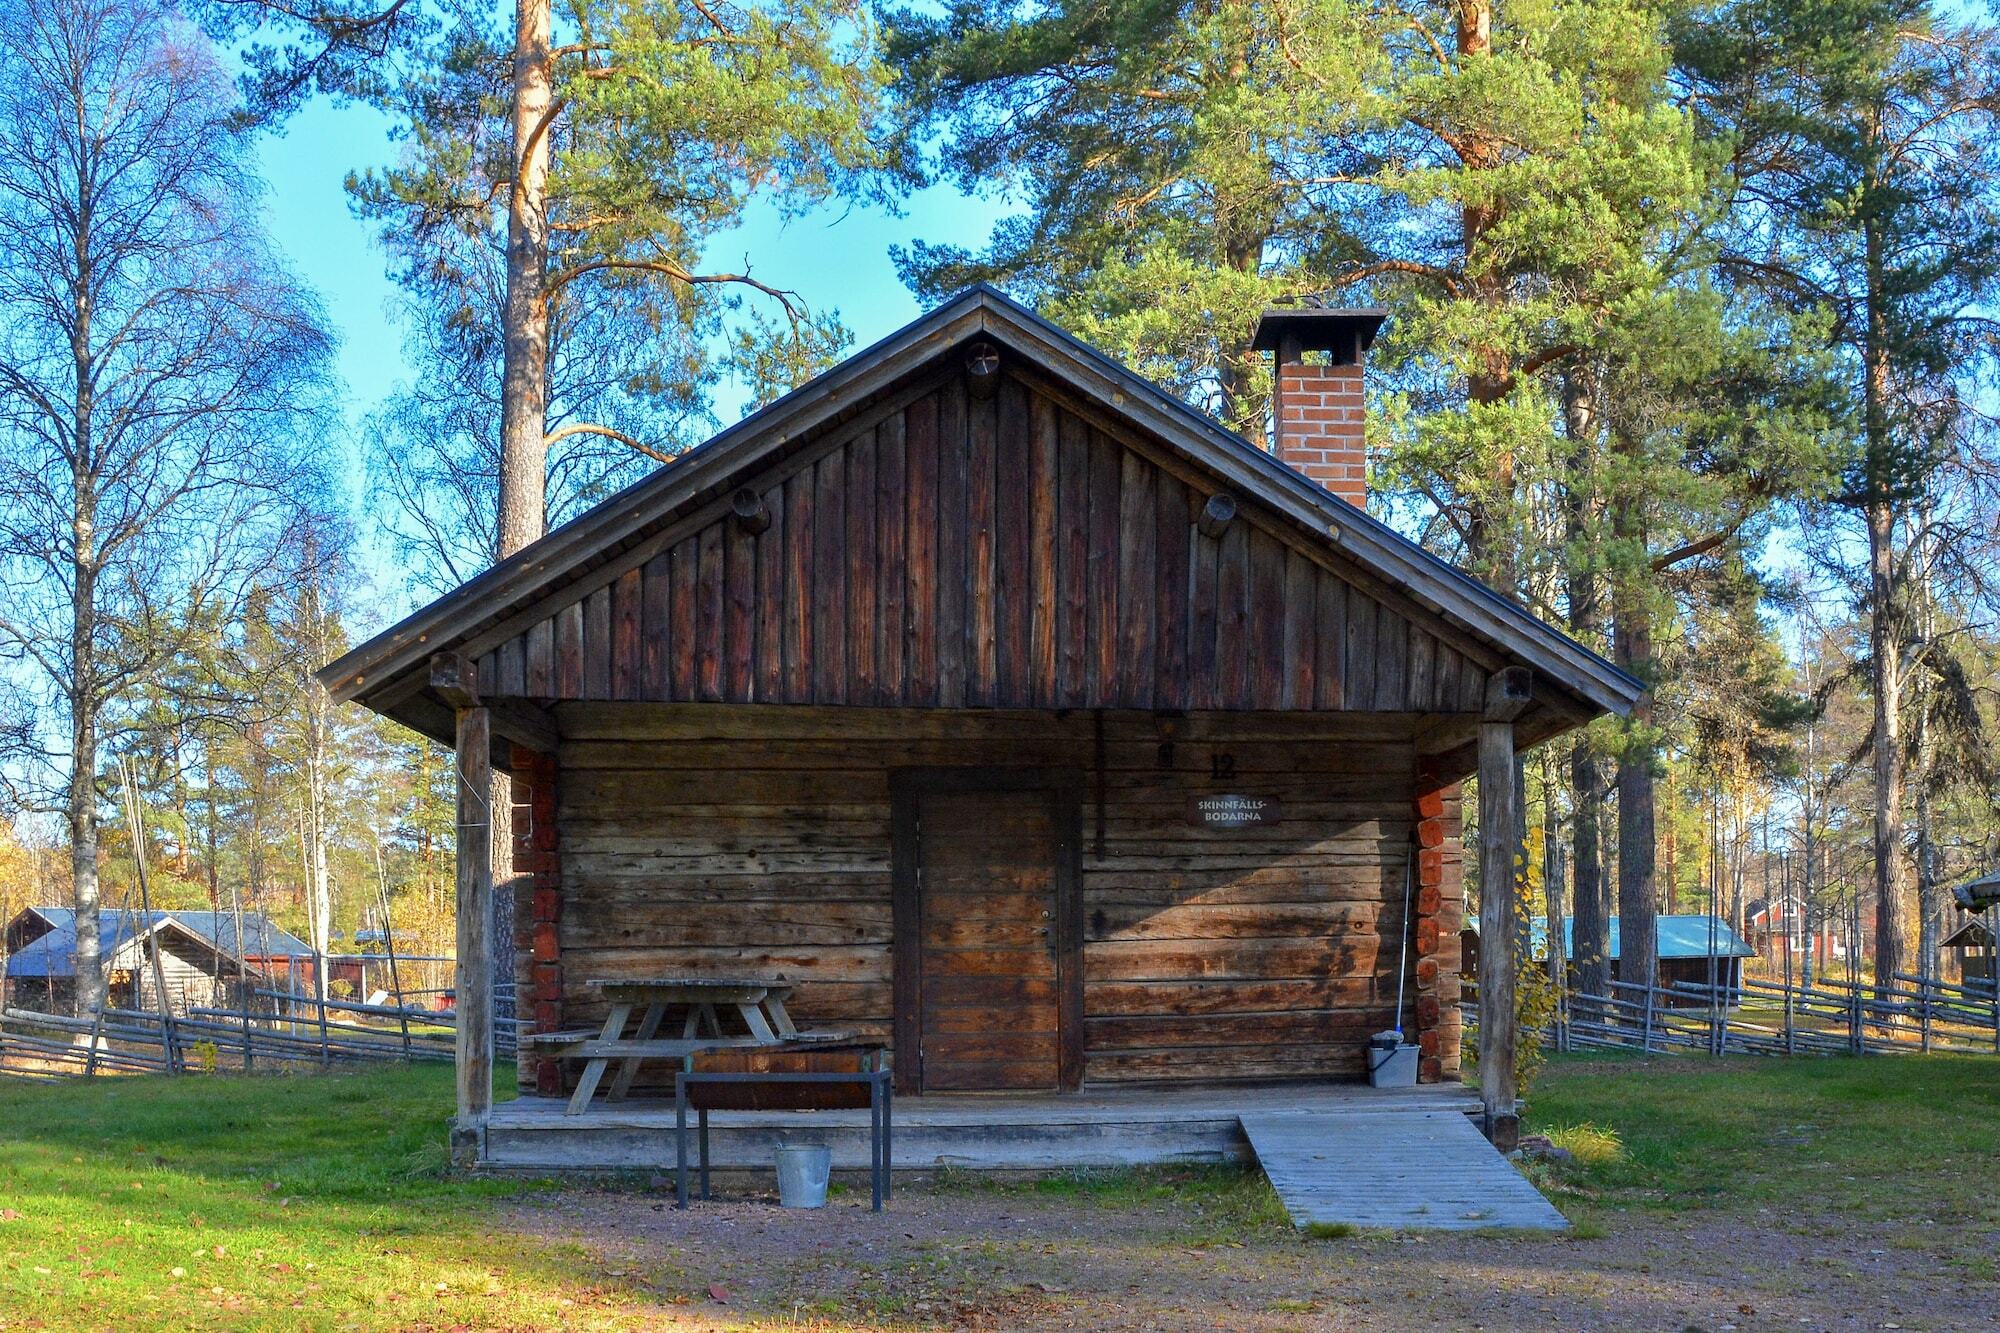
(1093, 1128)
(1432, 1171)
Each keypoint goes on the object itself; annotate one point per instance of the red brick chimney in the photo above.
(1319, 425)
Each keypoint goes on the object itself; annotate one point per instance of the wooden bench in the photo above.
(849, 1076)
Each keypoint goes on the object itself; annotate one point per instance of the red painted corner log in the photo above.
(1428, 805)
(538, 860)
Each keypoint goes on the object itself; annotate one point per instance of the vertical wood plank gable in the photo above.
(739, 612)
(988, 553)
(952, 543)
(597, 645)
(771, 599)
(1138, 567)
(1330, 640)
(1232, 617)
(628, 665)
(891, 549)
(510, 667)
(1102, 635)
(829, 663)
(1360, 682)
(863, 626)
(798, 626)
(1301, 640)
(920, 528)
(1072, 561)
(656, 594)
(1204, 622)
(982, 654)
(1042, 552)
(1013, 491)
(1173, 526)
(1267, 621)
(1422, 671)
(709, 613)
(1392, 659)
(685, 566)
(540, 681)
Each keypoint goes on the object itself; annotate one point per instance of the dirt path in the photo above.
(1215, 1253)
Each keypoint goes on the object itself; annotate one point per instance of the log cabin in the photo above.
(1011, 710)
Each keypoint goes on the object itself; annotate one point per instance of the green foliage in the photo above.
(667, 120)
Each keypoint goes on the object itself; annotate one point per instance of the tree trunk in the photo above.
(1632, 645)
(524, 395)
(1590, 949)
(84, 696)
(1491, 375)
(524, 388)
(1553, 876)
(1884, 644)
(1929, 908)
(83, 831)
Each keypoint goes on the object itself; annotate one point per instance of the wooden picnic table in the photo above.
(759, 1005)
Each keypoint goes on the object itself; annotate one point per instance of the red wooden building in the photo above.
(925, 688)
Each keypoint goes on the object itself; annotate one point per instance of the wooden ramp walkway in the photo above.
(1402, 1171)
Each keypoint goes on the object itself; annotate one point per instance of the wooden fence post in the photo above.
(1924, 1013)
(1499, 803)
(319, 990)
(1646, 1032)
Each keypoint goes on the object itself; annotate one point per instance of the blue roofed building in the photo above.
(1686, 943)
(202, 958)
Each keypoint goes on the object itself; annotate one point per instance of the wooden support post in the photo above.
(1499, 805)
(474, 986)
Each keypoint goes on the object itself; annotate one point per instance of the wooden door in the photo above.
(987, 931)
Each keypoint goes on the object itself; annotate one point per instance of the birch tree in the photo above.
(155, 363)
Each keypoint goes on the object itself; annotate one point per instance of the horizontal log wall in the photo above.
(1007, 552)
(731, 840)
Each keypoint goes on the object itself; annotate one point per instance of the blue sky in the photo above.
(836, 259)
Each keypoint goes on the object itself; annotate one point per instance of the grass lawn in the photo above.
(271, 1202)
(1885, 1138)
(1822, 1194)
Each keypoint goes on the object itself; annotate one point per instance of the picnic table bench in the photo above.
(758, 1004)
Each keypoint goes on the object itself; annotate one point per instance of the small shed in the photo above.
(201, 957)
(1008, 709)
(1973, 945)
(1684, 944)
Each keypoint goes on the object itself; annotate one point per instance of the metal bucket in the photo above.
(803, 1169)
(1391, 1062)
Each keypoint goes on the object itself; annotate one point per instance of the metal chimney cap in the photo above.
(1292, 331)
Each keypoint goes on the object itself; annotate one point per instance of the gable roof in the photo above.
(388, 670)
(53, 955)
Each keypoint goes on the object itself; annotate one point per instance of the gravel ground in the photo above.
(953, 1255)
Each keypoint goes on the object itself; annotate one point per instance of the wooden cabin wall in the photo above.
(948, 551)
(192, 972)
(758, 840)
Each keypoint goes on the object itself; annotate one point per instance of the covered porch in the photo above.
(1093, 1128)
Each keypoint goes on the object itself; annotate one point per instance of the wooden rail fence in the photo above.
(1757, 1017)
(291, 1032)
